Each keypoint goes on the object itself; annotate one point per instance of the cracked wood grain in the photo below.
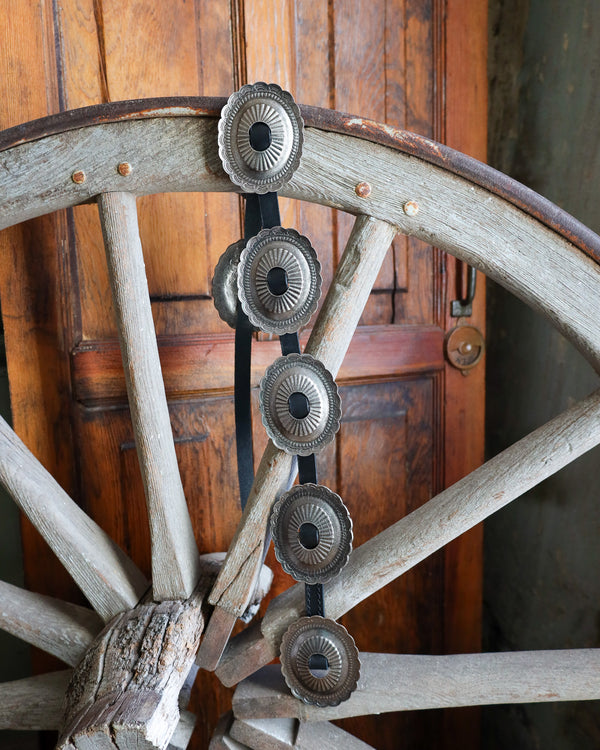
(59, 628)
(399, 682)
(175, 567)
(108, 578)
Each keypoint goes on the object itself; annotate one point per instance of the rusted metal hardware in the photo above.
(465, 346)
(411, 208)
(363, 190)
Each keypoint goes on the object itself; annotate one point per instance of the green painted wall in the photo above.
(542, 553)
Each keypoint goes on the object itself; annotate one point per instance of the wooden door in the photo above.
(412, 424)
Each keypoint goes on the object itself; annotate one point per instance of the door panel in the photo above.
(411, 424)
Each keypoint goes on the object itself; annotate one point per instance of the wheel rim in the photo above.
(554, 290)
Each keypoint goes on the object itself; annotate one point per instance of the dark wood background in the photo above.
(406, 432)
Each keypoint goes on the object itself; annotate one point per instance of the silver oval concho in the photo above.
(279, 280)
(299, 378)
(312, 533)
(260, 137)
(319, 661)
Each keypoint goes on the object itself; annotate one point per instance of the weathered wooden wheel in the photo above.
(133, 652)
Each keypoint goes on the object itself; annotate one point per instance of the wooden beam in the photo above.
(221, 739)
(183, 731)
(456, 196)
(175, 567)
(108, 578)
(289, 734)
(413, 538)
(356, 273)
(59, 628)
(398, 682)
(33, 703)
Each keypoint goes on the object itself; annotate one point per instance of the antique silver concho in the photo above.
(224, 283)
(279, 280)
(260, 137)
(312, 533)
(319, 661)
(299, 378)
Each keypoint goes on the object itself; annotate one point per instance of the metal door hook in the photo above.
(463, 308)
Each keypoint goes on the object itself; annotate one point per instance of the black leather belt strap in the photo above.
(262, 212)
(243, 405)
(307, 472)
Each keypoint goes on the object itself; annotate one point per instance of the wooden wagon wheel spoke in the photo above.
(398, 682)
(175, 566)
(329, 341)
(281, 734)
(107, 577)
(33, 703)
(59, 628)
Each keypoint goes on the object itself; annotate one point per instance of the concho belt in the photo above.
(270, 281)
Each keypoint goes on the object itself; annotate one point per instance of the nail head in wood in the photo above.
(124, 169)
(411, 208)
(363, 190)
(78, 177)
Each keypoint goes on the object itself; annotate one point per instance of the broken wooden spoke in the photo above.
(34, 703)
(59, 628)
(331, 336)
(394, 682)
(108, 578)
(413, 538)
(174, 553)
(126, 689)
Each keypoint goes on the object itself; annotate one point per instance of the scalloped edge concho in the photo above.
(305, 374)
(291, 251)
(318, 505)
(319, 635)
(224, 283)
(260, 171)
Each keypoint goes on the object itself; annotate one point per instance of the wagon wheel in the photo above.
(117, 695)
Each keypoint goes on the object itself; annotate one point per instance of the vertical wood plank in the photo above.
(464, 406)
(360, 87)
(387, 450)
(466, 130)
(175, 563)
(30, 288)
(313, 74)
(269, 36)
